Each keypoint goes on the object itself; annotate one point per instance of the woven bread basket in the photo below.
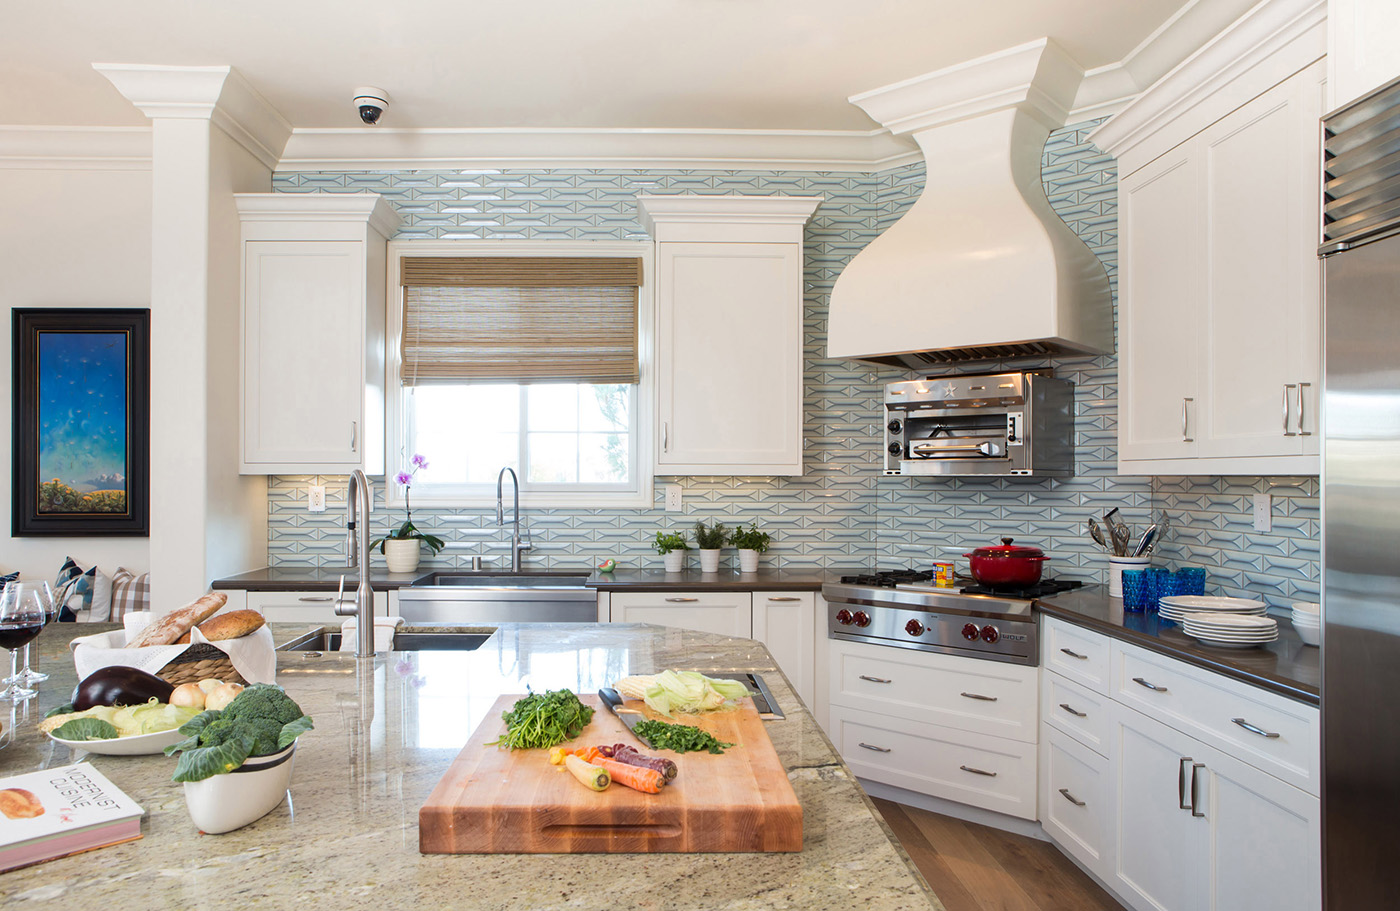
(200, 662)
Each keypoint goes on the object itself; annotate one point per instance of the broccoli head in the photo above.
(263, 700)
(261, 732)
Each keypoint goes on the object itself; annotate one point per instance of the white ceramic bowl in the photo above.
(135, 745)
(1307, 607)
(233, 800)
(1311, 635)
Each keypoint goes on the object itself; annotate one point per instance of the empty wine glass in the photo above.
(44, 595)
(23, 611)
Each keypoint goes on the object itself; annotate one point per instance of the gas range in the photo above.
(904, 608)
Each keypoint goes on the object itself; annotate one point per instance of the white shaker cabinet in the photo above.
(728, 332)
(313, 334)
(723, 613)
(787, 624)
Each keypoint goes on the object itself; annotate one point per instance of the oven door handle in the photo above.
(931, 449)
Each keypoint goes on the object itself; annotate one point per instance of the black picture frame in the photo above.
(70, 366)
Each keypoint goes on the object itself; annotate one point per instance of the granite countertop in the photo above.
(1287, 666)
(386, 730)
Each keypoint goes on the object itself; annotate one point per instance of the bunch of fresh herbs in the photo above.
(710, 537)
(542, 720)
(679, 738)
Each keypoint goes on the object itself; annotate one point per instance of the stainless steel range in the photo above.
(903, 608)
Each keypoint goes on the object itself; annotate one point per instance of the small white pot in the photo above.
(709, 560)
(234, 799)
(748, 560)
(402, 555)
(1116, 565)
(675, 561)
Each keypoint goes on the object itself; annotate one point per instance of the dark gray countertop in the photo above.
(1286, 666)
(726, 580)
(315, 578)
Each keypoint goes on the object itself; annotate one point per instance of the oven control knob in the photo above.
(895, 448)
(990, 634)
(843, 617)
(894, 427)
(971, 632)
(861, 618)
(914, 628)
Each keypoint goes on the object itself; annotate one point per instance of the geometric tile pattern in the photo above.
(842, 511)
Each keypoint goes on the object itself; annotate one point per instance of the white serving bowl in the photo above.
(1306, 607)
(1311, 635)
(231, 801)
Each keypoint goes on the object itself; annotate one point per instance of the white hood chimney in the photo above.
(980, 266)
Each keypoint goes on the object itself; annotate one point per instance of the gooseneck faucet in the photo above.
(357, 544)
(516, 545)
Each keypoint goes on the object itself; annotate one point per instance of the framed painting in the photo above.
(81, 422)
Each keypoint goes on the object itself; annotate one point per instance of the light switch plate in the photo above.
(1263, 512)
(673, 498)
(316, 498)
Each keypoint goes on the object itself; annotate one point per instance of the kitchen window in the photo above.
(532, 355)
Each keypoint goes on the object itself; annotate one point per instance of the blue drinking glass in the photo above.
(1134, 589)
(1158, 585)
(1191, 580)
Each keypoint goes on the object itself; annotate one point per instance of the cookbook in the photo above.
(56, 812)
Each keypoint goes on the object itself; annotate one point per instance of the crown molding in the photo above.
(752, 219)
(75, 148)
(372, 208)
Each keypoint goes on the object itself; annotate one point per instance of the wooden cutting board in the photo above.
(514, 802)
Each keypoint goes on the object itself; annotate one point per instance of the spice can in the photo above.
(943, 575)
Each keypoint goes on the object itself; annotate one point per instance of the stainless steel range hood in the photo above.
(980, 266)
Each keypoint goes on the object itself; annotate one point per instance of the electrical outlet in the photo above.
(1263, 512)
(673, 498)
(316, 498)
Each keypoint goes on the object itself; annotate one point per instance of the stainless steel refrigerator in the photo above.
(1361, 505)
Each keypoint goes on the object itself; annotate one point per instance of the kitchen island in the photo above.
(386, 730)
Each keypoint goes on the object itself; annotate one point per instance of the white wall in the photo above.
(69, 238)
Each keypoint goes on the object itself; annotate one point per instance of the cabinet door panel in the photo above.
(785, 622)
(1076, 806)
(729, 614)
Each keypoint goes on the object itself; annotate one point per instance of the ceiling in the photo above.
(485, 64)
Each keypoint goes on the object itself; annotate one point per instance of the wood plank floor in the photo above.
(978, 868)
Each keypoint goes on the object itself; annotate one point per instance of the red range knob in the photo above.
(914, 628)
(971, 632)
(990, 634)
(843, 617)
(861, 618)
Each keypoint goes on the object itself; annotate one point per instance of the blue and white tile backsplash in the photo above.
(842, 512)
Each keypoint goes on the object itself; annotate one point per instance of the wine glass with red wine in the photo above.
(44, 595)
(24, 608)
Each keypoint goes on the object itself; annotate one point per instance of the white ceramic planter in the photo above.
(748, 560)
(709, 560)
(402, 555)
(675, 561)
(231, 801)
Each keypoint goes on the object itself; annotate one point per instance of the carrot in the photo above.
(586, 753)
(648, 781)
(556, 755)
(595, 778)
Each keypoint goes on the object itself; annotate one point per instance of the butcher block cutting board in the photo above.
(514, 802)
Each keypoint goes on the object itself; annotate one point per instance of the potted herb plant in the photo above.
(671, 545)
(710, 539)
(401, 547)
(751, 542)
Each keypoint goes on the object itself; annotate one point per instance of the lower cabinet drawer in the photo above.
(1076, 801)
(1076, 710)
(975, 769)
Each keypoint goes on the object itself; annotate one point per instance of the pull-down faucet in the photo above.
(516, 545)
(357, 547)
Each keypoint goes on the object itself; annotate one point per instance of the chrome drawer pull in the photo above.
(681, 600)
(875, 679)
(979, 697)
(1286, 403)
(1151, 686)
(968, 768)
(1075, 654)
(784, 599)
(1070, 797)
(317, 598)
(1302, 394)
(1065, 706)
(1195, 797)
(876, 749)
(1181, 783)
(1254, 730)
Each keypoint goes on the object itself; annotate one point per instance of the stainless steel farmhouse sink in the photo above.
(325, 640)
(497, 597)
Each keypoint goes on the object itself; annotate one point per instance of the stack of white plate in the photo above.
(1230, 630)
(1307, 620)
(1174, 607)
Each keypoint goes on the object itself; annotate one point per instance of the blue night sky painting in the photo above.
(82, 409)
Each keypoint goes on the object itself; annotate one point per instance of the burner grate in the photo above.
(1040, 590)
(889, 578)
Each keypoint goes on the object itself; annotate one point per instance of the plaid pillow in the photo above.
(129, 592)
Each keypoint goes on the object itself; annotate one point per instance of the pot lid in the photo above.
(1007, 549)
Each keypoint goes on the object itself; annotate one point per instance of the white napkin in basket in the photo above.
(253, 655)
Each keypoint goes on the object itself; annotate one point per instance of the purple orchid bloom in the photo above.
(404, 478)
(419, 461)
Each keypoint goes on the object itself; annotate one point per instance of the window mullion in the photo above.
(522, 439)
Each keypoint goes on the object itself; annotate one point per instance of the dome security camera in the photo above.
(371, 103)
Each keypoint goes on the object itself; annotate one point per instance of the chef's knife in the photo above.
(613, 700)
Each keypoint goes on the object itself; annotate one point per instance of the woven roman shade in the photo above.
(520, 319)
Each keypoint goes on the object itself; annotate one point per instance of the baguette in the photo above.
(168, 629)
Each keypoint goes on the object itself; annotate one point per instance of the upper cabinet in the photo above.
(1363, 52)
(728, 332)
(313, 332)
(1219, 304)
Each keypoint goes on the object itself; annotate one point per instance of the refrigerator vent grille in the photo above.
(1361, 168)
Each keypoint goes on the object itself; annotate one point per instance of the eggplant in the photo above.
(118, 684)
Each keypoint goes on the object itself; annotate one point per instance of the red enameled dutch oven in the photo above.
(1007, 566)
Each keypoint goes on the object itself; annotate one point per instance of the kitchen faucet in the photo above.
(357, 543)
(516, 545)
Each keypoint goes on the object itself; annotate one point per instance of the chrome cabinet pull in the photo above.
(785, 599)
(681, 600)
(1302, 394)
(876, 749)
(968, 768)
(1286, 403)
(1195, 797)
(665, 436)
(1070, 797)
(1185, 438)
(1255, 730)
(1181, 783)
(354, 435)
(1151, 686)
(875, 679)
(317, 598)
(1075, 654)
(979, 697)
(1065, 706)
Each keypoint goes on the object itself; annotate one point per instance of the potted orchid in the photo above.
(401, 547)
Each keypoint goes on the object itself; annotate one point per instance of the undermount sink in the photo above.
(324, 640)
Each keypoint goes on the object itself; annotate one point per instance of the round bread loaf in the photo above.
(17, 803)
(231, 625)
(166, 630)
